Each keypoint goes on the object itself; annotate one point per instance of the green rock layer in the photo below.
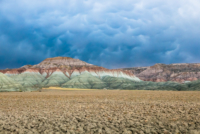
(34, 81)
(56, 79)
(86, 81)
(126, 84)
(8, 84)
(30, 81)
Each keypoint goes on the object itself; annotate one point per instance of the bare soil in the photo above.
(100, 112)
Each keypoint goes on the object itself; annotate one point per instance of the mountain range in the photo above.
(67, 72)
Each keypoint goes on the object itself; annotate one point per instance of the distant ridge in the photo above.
(178, 72)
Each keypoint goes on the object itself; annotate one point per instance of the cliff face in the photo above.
(173, 72)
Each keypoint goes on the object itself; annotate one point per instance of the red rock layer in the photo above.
(32, 70)
(50, 71)
(173, 72)
(13, 71)
(83, 69)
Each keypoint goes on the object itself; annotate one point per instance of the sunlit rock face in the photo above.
(173, 72)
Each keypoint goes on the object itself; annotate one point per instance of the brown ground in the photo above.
(110, 112)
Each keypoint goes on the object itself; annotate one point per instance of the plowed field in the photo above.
(100, 112)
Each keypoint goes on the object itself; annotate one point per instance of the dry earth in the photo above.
(109, 112)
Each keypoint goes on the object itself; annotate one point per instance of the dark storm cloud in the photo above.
(110, 33)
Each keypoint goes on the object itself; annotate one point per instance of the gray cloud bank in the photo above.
(109, 33)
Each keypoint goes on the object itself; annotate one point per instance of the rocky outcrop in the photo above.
(172, 72)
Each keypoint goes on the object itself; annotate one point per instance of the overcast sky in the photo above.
(108, 33)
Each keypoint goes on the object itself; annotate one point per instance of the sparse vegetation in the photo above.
(100, 111)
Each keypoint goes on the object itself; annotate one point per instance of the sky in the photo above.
(108, 33)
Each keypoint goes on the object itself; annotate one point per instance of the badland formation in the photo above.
(73, 73)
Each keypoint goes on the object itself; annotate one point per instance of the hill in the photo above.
(173, 72)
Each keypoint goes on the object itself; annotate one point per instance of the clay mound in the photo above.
(126, 84)
(56, 79)
(85, 81)
(29, 78)
(116, 83)
(7, 84)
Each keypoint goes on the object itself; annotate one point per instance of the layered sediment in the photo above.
(8, 84)
(59, 70)
(29, 78)
(73, 73)
(173, 72)
(57, 78)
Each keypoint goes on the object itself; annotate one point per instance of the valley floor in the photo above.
(100, 111)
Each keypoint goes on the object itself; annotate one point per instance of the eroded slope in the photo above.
(86, 81)
(8, 84)
(56, 79)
